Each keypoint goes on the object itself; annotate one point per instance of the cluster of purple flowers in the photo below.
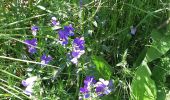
(63, 34)
(93, 89)
(32, 44)
(45, 59)
(78, 43)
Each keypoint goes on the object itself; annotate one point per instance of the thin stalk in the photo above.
(78, 79)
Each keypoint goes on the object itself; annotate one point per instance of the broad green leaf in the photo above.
(160, 45)
(161, 93)
(143, 87)
(140, 58)
(102, 68)
(160, 71)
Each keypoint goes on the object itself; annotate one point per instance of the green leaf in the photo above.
(160, 71)
(160, 45)
(103, 69)
(140, 58)
(143, 87)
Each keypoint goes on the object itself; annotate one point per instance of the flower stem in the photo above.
(78, 79)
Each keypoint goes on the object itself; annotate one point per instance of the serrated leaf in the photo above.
(102, 68)
(143, 87)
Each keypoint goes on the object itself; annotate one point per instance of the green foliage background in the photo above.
(139, 64)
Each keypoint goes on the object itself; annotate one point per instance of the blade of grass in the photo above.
(7, 73)
(16, 22)
(13, 89)
(26, 61)
(10, 92)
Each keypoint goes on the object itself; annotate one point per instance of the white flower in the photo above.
(54, 18)
(29, 90)
(29, 83)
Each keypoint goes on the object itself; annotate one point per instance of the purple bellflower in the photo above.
(28, 83)
(34, 30)
(31, 44)
(45, 59)
(78, 49)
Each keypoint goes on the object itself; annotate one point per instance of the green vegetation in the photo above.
(138, 64)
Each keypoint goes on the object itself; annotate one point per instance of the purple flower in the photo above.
(133, 30)
(65, 33)
(28, 83)
(31, 44)
(84, 89)
(76, 55)
(89, 82)
(63, 38)
(93, 89)
(79, 43)
(45, 59)
(54, 21)
(34, 30)
(103, 87)
(69, 30)
(78, 49)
